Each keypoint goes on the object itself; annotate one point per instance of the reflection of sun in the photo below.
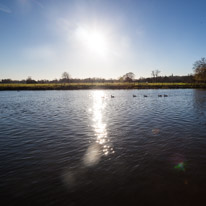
(95, 40)
(99, 125)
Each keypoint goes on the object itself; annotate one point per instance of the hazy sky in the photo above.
(100, 38)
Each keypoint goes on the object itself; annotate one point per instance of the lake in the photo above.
(86, 148)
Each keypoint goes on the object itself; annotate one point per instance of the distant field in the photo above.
(73, 86)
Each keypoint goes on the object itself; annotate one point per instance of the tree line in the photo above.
(199, 75)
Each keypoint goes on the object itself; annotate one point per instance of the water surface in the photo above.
(86, 148)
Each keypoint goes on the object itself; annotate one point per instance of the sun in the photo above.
(97, 42)
(94, 40)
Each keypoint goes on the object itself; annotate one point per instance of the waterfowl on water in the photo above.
(134, 95)
(159, 95)
(112, 96)
(145, 95)
(165, 95)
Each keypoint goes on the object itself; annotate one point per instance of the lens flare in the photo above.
(180, 166)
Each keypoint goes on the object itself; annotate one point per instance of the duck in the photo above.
(145, 95)
(159, 95)
(134, 95)
(165, 95)
(112, 96)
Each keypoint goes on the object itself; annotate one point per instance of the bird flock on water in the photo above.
(159, 95)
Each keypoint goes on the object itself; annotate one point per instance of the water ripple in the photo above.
(82, 147)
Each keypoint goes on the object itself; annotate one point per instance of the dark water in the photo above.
(86, 148)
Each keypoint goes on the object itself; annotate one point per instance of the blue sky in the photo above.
(100, 38)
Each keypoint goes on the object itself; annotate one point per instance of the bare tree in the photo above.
(65, 77)
(155, 73)
(199, 68)
(29, 80)
(129, 77)
(120, 79)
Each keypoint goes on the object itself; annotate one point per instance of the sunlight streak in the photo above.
(100, 127)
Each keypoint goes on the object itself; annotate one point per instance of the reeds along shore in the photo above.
(77, 86)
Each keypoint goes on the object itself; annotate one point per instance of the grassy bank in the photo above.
(76, 86)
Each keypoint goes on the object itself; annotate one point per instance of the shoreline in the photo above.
(89, 86)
